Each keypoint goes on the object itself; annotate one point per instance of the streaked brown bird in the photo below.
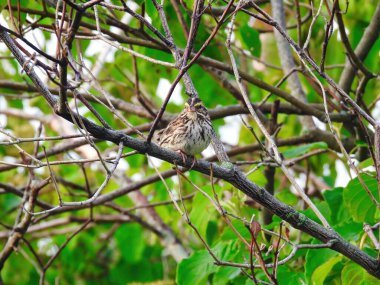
(190, 133)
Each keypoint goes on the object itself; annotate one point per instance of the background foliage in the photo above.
(140, 237)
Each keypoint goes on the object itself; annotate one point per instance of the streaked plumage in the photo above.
(190, 133)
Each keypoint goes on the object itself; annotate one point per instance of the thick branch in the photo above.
(286, 57)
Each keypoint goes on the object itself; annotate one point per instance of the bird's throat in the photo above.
(192, 115)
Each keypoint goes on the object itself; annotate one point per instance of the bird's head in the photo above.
(195, 105)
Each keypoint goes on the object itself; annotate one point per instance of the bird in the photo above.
(189, 133)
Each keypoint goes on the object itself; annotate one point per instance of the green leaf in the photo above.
(350, 230)
(136, 161)
(360, 143)
(3, 4)
(321, 272)
(287, 197)
(226, 250)
(195, 269)
(202, 212)
(229, 234)
(211, 232)
(16, 103)
(357, 200)
(130, 242)
(322, 206)
(316, 258)
(287, 275)
(225, 274)
(8, 202)
(258, 177)
(17, 263)
(151, 10)
(334, 199)
(366, 163)
(303, 149)
(340, 216)
(251, 39)
(353, 274)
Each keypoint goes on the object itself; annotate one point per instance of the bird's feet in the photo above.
(184, 157)
(194, 162)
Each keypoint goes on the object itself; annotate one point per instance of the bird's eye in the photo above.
(198, 105)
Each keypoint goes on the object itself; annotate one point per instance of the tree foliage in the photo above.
(292, 90)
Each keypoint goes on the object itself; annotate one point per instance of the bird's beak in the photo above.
(192, 109)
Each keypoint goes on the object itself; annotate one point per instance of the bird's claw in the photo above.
(184, 157)
(194, 162)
